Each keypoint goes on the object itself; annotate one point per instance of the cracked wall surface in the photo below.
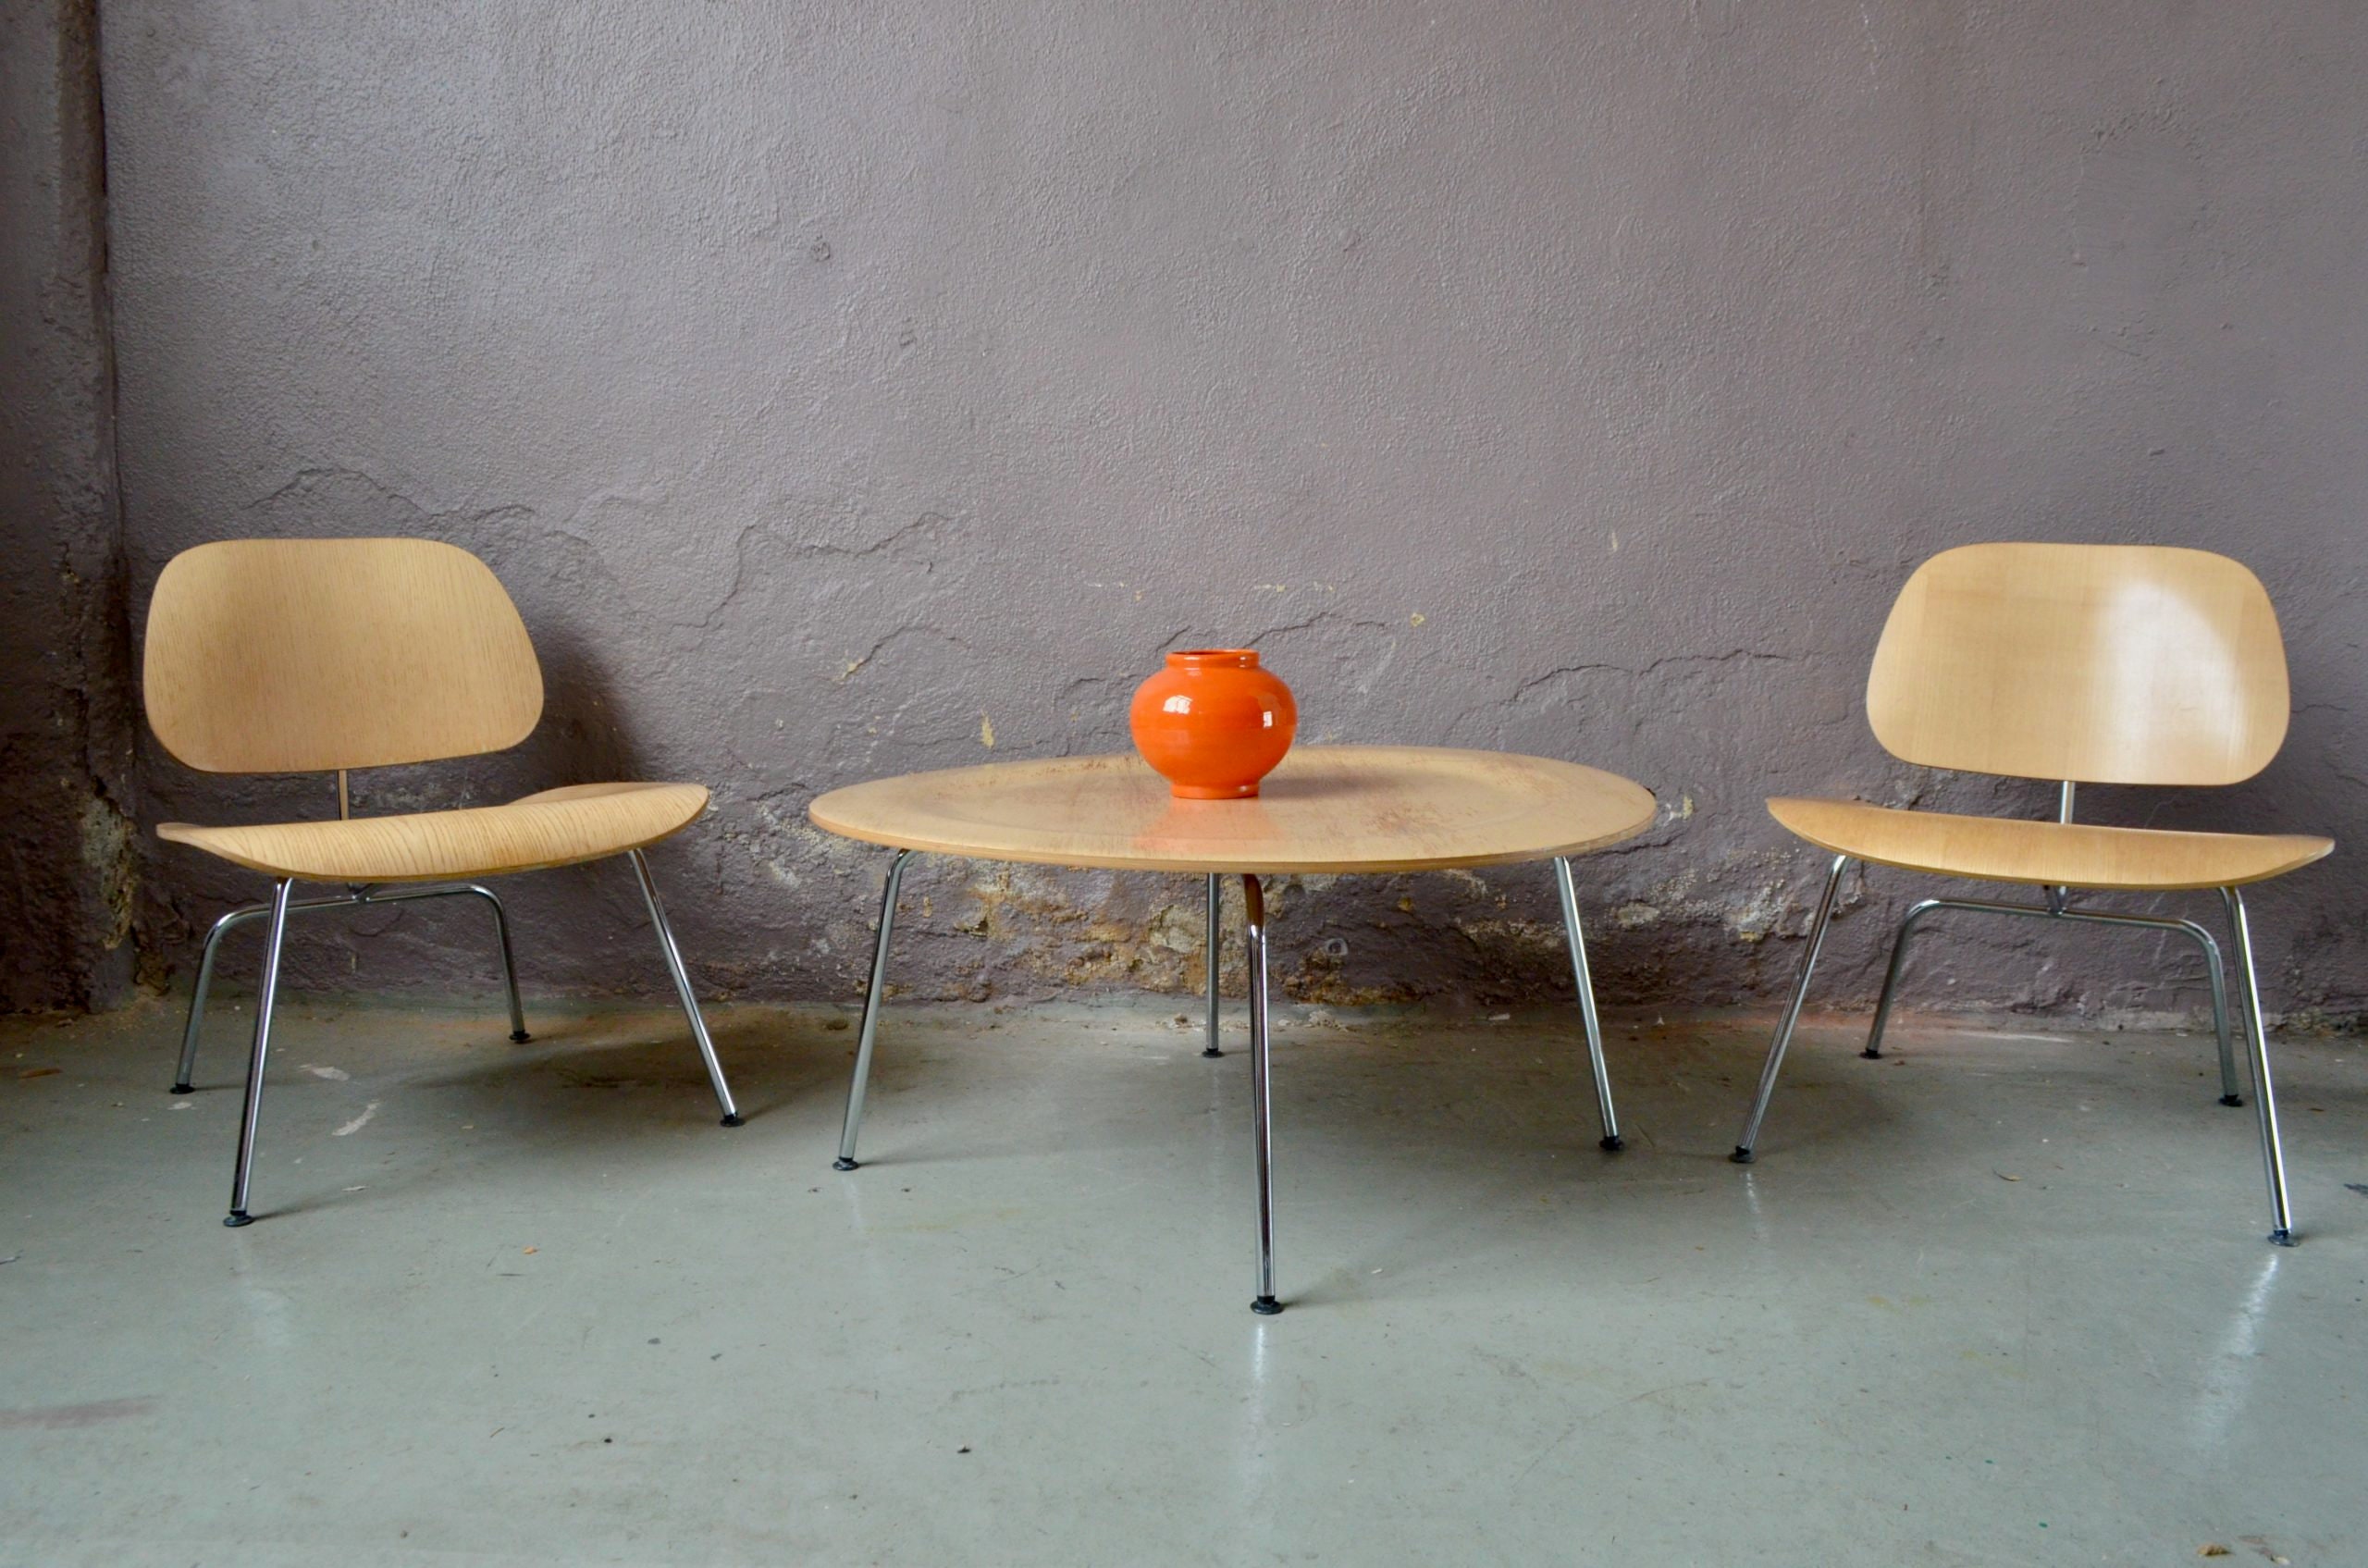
(66, 719)
(846, 389)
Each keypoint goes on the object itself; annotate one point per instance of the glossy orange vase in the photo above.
(1214, 722)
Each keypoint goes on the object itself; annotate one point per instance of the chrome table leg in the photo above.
(683, 986)
(268, 993)
(1792, 1014)
(873, 998)
(1217, 934)
(1570, 893)
(1261, 1099)
(2273, 1155)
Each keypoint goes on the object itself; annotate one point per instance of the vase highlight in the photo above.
(1213, 722)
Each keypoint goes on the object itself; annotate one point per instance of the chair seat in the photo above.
(557, 827)
(2042, 853)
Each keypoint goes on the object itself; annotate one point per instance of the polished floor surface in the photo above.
(2001, 1299)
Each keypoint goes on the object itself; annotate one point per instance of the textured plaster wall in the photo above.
(845, 389)
(66, 723)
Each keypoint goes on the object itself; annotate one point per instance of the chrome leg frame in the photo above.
(353, 899)
(1564, 885)
(1216, 935)
(268, 993)
(2265, 1098)
(509, 962)
(1262, 1110)
(1791, 1013)
(666, 944)
(2273, 1155)
(2057, 910)
(872, 1000)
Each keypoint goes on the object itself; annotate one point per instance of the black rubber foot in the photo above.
(1741, 1155)
(731, 1120)
(1213, 1051)
(2281, 1237)
(1872, 1054)
(1612, 1144)
(183, 1089)
(519, 1037)
(843, 1163)
(2232, 1099)
(1266, 1306)
(238, 1217)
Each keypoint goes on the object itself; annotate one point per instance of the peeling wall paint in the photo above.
(844, 389)
(66, 764)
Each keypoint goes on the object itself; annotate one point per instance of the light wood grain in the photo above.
(557, 827)
(2098, 663)
(2045, 854)
(309, 654)
(1326, 809)
(294, 656)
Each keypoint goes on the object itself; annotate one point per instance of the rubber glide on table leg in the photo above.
(1216, 934)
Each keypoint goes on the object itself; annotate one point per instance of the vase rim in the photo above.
(1213, 658)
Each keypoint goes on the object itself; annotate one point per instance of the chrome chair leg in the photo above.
(2056, 909)
(2273, 1154)
(872, 997)
(1262, 1110)
(2213, 969)
(268, 993)
(1570, 893)
(682, 986)
(1217, 934)
(509, 962)
(353, 898)
(205, 983)
(1792, 1014)
(1891, 976)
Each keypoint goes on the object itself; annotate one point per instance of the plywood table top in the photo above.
(1327, 809)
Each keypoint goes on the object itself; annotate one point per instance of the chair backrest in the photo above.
(2097, 663)
(292, 656)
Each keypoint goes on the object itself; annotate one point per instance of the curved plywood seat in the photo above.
(2045, 854)
(1326, 809)
(557, 827)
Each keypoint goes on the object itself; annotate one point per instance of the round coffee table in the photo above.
(1328, 808)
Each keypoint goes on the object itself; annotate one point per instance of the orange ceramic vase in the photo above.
(1214, 722)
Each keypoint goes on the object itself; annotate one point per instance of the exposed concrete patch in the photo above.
(110, 866)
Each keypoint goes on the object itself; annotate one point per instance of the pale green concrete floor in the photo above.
(2002, 1299)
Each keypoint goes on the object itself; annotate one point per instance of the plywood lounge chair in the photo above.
(2082, 664)
(293, 655)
